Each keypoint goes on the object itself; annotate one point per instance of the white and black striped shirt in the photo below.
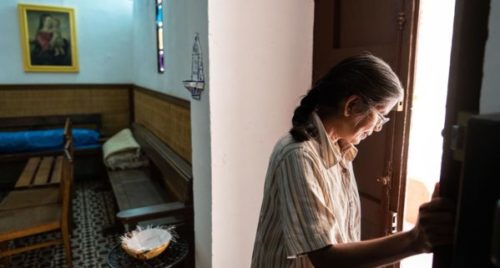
(310, 201)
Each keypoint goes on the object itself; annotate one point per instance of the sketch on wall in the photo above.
(197, 82)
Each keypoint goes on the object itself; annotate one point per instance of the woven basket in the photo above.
(145, 244)
(145, 255)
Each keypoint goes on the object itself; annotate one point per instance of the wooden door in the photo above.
(386, 29)
(470, 31)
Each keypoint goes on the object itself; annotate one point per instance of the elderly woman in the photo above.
(310, 214)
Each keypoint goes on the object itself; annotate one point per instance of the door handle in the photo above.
(457, 135)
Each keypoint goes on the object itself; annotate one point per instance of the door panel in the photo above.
(371, 214)
(359, 17)
(372, 163)
(346, 27)
(385, 28)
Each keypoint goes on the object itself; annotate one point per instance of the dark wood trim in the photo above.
(134, 215)
(37, 122)
(411, 9)
(163, 96)
(63, 86)
(131, 105)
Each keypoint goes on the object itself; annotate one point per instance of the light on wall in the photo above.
(197, 82)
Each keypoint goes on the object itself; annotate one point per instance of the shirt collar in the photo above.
(332, 152)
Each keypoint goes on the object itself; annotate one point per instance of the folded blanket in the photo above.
(122, 151)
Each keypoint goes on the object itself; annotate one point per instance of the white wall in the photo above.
(260, 64)
(182, 19)
(196, 19)
(202, 182)
(104, 34)
(490, 91)
(252, 103)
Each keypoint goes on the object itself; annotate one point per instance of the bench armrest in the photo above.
(134, 215)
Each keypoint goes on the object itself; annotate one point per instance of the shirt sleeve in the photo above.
(307, 221)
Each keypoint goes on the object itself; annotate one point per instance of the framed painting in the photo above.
(48, 38)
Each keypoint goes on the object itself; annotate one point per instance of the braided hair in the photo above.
(364, 75)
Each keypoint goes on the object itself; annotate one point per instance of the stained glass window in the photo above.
(159, 36)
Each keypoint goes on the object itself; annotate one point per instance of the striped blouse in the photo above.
(310, 201)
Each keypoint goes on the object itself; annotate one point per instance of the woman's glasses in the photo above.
(381, 120)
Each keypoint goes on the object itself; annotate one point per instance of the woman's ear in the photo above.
(352, 105)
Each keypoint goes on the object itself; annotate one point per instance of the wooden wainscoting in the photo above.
(111, 101)
(167, 117)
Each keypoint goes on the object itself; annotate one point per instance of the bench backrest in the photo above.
(50, 121)
(177, 174)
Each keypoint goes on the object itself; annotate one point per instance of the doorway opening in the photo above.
(434, 36)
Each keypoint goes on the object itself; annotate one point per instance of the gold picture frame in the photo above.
(48, 38)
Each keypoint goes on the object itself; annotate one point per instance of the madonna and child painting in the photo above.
(48, 38)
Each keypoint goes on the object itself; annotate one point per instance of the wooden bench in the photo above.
(40, 171)
(20, 218)
(162, 190)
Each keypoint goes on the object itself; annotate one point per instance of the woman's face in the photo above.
(363, 124)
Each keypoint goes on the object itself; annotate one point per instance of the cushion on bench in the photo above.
(46, 140)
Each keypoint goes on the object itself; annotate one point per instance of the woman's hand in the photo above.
(435, 225)
(434, 228)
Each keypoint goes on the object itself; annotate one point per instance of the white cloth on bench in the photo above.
(123, 152)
